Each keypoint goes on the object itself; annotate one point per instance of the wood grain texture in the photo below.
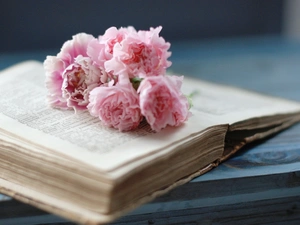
(275, 211)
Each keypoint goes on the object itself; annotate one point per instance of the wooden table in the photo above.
(259, 185)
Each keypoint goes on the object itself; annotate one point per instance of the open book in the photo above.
(70, 165)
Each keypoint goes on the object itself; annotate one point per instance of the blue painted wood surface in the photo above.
(261, 182)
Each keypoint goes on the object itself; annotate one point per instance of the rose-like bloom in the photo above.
(100, 50)
(71, 74)
(116, 106)
(79, 79)
(113, 35)
(54, 68)
(162, 102)
(140, 54)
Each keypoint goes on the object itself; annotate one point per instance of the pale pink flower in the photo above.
(140, 54)
(54, 68)
(100, 50)
(113, 35)
(116, 106)
(71, 74)
(79, 79)
(96, 51)
(162, 102)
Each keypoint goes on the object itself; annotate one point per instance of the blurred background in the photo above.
(221, 41)
(33, 24)
(252, 44)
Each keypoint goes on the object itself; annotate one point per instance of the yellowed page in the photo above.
(52, 204)
(24, 113)
(231, 105)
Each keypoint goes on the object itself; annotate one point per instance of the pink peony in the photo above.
(113, 35)
(162, 102)
(79, 79)
(54, 68)
(71, 74)
(119, 77)
(116, 106)
(101, 49)
(140, 54)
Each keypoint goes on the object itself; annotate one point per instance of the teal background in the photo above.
(36, 25)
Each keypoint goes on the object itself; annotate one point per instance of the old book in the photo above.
(70, 165)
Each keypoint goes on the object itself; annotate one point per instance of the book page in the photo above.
(25, 113)
(231, 105)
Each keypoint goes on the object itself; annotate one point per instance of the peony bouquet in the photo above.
(119, 77)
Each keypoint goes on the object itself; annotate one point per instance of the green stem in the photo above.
(189, 98)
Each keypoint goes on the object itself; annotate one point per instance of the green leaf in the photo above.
(189, 98)
(136, 82)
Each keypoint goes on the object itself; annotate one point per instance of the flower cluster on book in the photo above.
(119, 77)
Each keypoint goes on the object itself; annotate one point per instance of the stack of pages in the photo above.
(68, 164)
